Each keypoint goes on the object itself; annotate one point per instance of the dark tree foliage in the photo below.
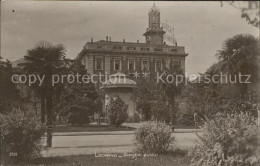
(78, 100)
(144, 95)
(117, 110)
(8, 92)
(21, 133)
(157, 100)
(162, 112)
(173, 89)
(146, 110)
(239, 55)
(46, 59)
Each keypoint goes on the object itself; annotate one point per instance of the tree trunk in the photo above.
(49, 119)
(43, 106)
(98, 118)
(173, 111)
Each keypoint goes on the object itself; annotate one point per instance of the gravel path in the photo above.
(78, 143)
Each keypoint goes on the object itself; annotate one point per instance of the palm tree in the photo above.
(45, 59)
(239, 55)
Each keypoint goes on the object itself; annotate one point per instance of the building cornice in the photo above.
(145, 53)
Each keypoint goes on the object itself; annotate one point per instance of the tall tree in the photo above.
(150, 95)
(45, 60)
(79, 97)
(239, 55)
(144, 95)
(172, 88)
(8, 91)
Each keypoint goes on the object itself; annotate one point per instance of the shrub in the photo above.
(185, 117)
(227, 140)
(78, 116)
(146, 111)
(152, 137)
(117, 110)
(21, 136)
(77, 119)
(161, 111)
(136, 117)
(246, 104)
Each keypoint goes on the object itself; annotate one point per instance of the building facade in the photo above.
(110, 57)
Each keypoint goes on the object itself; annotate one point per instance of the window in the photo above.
(158, 65)
(117, 47)
(174, 50)
(145, 65)
(117, 64)
(144, 49)
(131, 48)
(131, 65)
(158, 49)
(99, 64)
(176, 62)
(99, 47)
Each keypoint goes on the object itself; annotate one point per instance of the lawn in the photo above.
(91, 128)
(84, 160)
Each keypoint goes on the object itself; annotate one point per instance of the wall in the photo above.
(108, 63)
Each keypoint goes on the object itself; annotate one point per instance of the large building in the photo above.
(110, 57)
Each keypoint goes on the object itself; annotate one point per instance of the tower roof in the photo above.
(154, 9)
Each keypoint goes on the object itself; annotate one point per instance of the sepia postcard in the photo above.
(129, 83)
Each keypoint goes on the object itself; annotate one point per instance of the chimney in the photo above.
(124, 40)
(107, 38)
(92, 40)
(137, 41)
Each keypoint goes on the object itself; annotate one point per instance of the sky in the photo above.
(199, 26)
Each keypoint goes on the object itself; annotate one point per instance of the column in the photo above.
(107, 65)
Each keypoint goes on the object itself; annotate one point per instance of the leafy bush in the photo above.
(246, 104)
(117, 110)
(136, 117)
(78, 116)
(78, 99)
(161, 111)
(145, 108)
(185, 117)
(21, 136)
(227, 140)
(153, 137)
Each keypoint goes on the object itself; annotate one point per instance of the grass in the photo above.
(83, 160)
(91, 128)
